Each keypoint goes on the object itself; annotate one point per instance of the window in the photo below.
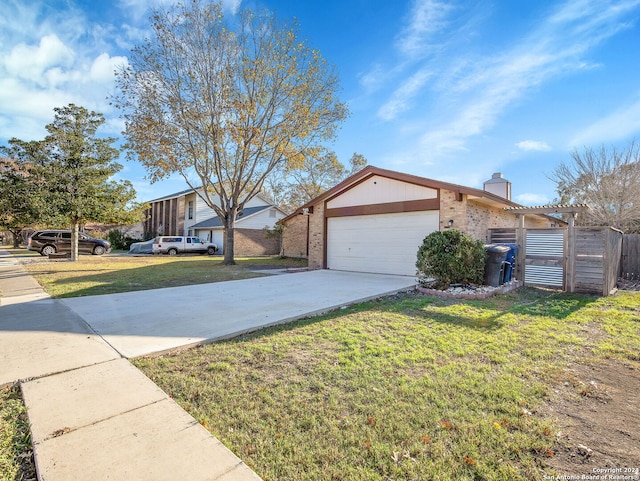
(190, 215)
(188, 240)
(272, 213)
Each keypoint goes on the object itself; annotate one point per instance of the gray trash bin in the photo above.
(493, 268)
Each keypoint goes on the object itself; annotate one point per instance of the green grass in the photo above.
(92, 275)
(409, 388)
(16, 459)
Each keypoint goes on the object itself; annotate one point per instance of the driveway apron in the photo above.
(145, 322)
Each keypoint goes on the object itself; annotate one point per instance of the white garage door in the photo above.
(380, 243)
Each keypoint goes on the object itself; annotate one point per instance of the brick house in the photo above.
(185, 213)
(375, 220)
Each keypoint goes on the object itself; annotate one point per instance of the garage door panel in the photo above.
(382, 243)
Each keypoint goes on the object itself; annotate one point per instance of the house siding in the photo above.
(381, 190)
(262, 219)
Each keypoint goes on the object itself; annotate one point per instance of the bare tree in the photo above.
(292, 186)
(608, 180)
(224, 103)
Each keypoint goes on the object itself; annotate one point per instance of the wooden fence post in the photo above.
(522, 255)
(570, 275)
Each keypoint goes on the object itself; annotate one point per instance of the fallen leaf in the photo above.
(60, 432)
(426, 439)
(468, 460)
(371, 420)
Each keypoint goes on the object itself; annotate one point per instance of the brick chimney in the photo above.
(498, 185)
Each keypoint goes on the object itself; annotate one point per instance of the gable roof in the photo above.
(173, 196)
(371, 170)
(193, 191)
(215, 221)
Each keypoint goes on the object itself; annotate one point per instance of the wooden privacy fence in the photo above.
(630, 260)
(597, 260)
(587, 261)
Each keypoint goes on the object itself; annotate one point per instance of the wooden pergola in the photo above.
(571, 211)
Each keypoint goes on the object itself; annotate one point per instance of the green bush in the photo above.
(450, 257)
(120, 241)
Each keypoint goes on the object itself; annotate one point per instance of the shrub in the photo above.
(450, 257)
(120, 241)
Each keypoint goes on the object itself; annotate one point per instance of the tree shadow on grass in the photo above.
(175, 274)
(487, 314)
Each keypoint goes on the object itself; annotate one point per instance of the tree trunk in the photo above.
(16, 238)
(229, 236)
(74, 241)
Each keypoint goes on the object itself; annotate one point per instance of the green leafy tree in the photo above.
(225, 103)
(19, 200)
(608, 180)
(450, 257)
(71, 173)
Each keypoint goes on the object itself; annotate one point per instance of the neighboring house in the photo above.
(375, 220)
(185, 213)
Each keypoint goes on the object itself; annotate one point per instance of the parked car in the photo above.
(173, 245)
(53, 241)
(145, 247)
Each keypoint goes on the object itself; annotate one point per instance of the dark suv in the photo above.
(52, 241)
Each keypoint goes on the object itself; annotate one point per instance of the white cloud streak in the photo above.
(533, 145)
(425, 19)
(400, 100)
(622, 124)
(553, 49)
(532, 199)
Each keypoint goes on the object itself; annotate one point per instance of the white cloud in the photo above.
(103, 67)
(31, 61)
(426, 18)
(401, 98)
(536, 145)
(622, 124)
(532, 199)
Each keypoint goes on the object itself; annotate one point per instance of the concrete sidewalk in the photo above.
(109, 421)
(145, 322)
(15, 284)
(92, 414)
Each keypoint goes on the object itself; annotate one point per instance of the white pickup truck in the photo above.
(173, 245)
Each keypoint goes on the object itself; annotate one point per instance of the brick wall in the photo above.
(482, 217)
(252, 242)
(473, 218)
(316, 237)
(452, 209)
(294, 237)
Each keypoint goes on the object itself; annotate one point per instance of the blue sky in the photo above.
(451, 90)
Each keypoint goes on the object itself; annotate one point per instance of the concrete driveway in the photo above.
(145, 322)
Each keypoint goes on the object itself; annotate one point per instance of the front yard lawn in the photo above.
(405, 388)
(16, 455)
(93, 275)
